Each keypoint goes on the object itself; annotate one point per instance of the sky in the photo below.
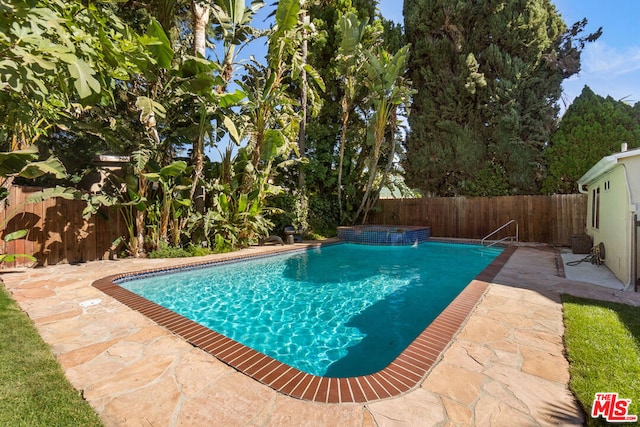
(610, 65)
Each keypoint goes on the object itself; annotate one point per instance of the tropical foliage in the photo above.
(57, 57)
(164, 99)
(340, 139)
(220, 150)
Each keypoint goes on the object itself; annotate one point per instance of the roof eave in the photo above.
(605, 165)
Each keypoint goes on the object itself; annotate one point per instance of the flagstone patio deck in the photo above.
(505, 367)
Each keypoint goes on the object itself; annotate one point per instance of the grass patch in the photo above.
(602, 340)
(33, 388)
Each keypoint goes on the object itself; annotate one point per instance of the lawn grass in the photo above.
(602, 340)
(33, 388)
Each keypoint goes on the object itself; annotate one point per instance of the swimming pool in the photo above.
(367, 287)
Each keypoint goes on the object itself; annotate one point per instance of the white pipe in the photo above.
(634, 252)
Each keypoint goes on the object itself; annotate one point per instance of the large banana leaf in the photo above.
(287, 14)
(13, 162)
(160, 45)
(50, 166)
(170, 171)
(352, 30)
(313, 73)
(13, 257)
(16, 235)
(243, 202)
(194, 66)
(273, 142)
(231, 128)
(48, 193)
(233, 19)
(231, 99)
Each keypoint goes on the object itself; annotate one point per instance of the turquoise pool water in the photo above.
(339, 311)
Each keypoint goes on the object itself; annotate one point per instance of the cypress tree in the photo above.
(488, 76)
(591, 128)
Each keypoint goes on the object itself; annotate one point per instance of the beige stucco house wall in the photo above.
(613, 185)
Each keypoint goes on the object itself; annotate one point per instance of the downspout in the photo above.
(582, 190)
(634, 252)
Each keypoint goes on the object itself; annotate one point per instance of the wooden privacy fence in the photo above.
(545, 219)
(57, 231)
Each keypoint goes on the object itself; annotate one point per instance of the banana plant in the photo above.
(237, 215)
(174, 199)
(350, 61)
(388, 91)
(234, 28)
(269, 106)
(194, 112)
(129, 203)
(24, 163)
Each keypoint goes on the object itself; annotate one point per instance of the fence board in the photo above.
(104, 239)
(546, 219)
(52, 247)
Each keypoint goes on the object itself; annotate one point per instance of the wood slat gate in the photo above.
(57, 231)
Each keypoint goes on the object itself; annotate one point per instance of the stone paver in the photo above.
(505, 367)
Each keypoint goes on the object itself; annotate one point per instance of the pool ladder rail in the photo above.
(509, 238)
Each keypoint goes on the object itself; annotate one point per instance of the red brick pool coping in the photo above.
(402, 375)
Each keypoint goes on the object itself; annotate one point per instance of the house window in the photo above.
(595, 209)
(607, 185)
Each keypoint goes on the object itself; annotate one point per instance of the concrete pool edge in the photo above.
(404, 374)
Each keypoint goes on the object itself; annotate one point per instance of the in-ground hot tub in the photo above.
(384, 234)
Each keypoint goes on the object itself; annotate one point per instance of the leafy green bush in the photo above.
(170, 252)
(286, 213)
(221, 245)
(198, 250)
(323, 216)
(166, 251)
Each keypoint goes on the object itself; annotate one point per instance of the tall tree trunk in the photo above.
(140, 218)
(302, 136)
(201, 12)
(227, 70)
(343, 137)
(379, 127)
(197, 158)
(387, 170)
